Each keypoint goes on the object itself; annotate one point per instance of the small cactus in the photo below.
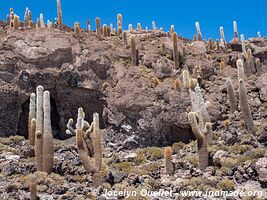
(139, 28)
(199, 35)
(176, 84)
(231, 95)
(105, 30)
(77, 31)
(169, 167)
(186, 78)
(134, 51)
(98, 29)
(226, 124)
(258, 65)
(59, 15)
(222, 65)
(195, 38)
(175, 51)
(88, 25)
(243, 103)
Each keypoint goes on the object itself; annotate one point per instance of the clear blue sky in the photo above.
(250, 15)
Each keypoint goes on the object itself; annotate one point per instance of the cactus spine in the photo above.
(134, 51)
(48, 152)
(235, 29)
(59, 15)
(199, 35)
(32, 116)
(202, 141)
(169, 168)
(98, 29)
(77, 31)
(243, 103)
(39, 128)
(175, 51)
(231, 95)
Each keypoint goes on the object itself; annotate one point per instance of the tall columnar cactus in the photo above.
(105, 30)
(258, 65)
(217, 45)
(119, 30)
(222, 36)
(231, 95)
(98, 29)
(32, 115)
(175, 51)
(259, 34)
(235, 29)
(134, 51)
(124, 37)
(130, 27)
(244, 51)
(199, 35)
(240, 69)
(16, 21)
(201, 133)
(59, 15)
(77, 31)
(243, 103)
(48, 152)
(97, 142)
(43, 135)
(169, 168)
(39, 128)
(154, 27)
(88, 25)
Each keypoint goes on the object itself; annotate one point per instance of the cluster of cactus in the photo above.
(199, 119)
(40, 129)
(88, 141)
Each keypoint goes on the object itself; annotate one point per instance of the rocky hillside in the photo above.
(143, 108)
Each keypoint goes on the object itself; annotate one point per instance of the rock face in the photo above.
(261, 168)
(96, 74)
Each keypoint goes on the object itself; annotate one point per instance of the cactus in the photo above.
(124, 37)
(32, 115)
(222, 65)
(244, 51)
(199, 35)
(88, 25)
(29, 16)
(259, 34)
(231, 95)
(139, 28)
(186, 78)
(226, 124)
(130, 27)
(134, 51)
(39, 128)
(184, 50)
(49, 24)
(16, 21)
(77, 31)
(210, 44)
(250, 62)
(235, 29)
(201, 133)
(222, 36)
(175, 51)
(240, 69)
(217, 45)
(243, 103)
(169, 168)
(98, 29)
(37, 23)
(154, 27)
(172, 29)
(119, 21)
(195, 38)
(42, 24)
(97, 142)
(30, 24)
(258, 65)
(119, 30)
(33, 190)
(26, 17)
(176, 84)
(48, 152)
(59, 15)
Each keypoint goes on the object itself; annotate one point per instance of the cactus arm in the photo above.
(70, 130)
(194, 125)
